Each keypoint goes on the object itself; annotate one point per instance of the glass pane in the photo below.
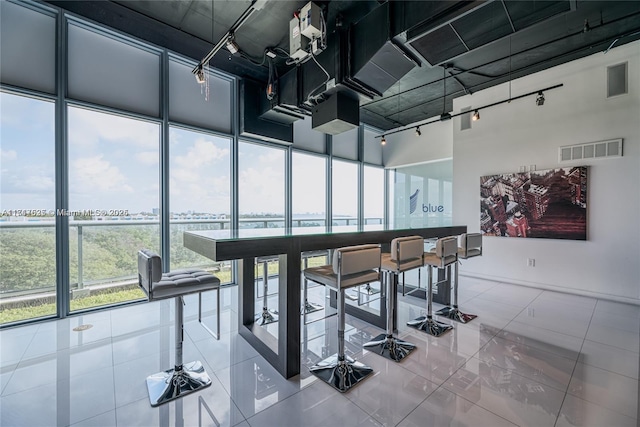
(113, 204)
(309, 190)
(261, 186)
(261, 189)
(200, 195)
(345, 193)
(373, 195)
(421, 195)
(27, 202)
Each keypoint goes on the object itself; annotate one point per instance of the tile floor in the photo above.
(531, 358)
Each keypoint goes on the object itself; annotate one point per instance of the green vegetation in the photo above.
(48, 309)
(109, 255)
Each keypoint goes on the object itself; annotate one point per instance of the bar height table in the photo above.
(245, 245)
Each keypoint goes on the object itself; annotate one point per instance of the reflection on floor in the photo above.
(531, 358)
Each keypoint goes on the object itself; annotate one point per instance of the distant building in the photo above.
(496, 208)
(537, 198)
(486, 224)
(518, 226)
(578, 181)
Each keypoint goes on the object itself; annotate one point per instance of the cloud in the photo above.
(8, 155)
(149, 158)
(203, 152)
(88, 127)
(96, 175)
(262, 190)
(200, 178)
(36, 184)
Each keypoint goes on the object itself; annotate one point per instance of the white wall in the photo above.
(521, 133)
(406, 148)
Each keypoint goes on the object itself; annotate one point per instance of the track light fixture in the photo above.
(476, 114)
(200, 76)
(231, 45)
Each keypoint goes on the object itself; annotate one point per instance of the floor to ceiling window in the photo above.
(261, 186)
(344, 197)
(113, 203)
(200, 191)
(90, 145)
(27, 209)
(309, 190)
(373, 189)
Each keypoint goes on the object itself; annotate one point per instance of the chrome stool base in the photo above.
(430, 326)
(266, 317)
(340, 374)
(456, 314)
(174, 383)
(390, 347)
(310, 307)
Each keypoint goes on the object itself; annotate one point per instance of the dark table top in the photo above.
(225, 245)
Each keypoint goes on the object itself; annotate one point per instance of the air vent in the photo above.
(617, 80)
(592, 150)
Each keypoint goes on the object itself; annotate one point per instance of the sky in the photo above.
(114, 164)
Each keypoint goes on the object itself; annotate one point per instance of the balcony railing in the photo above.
(128, 276)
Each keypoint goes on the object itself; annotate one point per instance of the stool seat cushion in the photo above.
(183, 282)
(325, 275)
(388, 264)
(432, 259)
(469, 253)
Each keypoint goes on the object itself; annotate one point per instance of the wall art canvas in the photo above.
(549, 204)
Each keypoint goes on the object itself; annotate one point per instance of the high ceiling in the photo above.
(461, 46)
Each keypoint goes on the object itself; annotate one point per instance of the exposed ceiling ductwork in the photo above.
(373, 47)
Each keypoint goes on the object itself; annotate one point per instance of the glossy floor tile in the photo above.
(605, 388)
(531, 358)
(444, 408)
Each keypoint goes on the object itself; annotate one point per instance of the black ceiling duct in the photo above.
(251, 122)
(376, 62)
(339, 113)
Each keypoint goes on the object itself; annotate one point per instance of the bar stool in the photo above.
(406, 254)
(266, 316)
(445, 254)
(352, 266)
(183, 378)
(307, 306)
(469, 246)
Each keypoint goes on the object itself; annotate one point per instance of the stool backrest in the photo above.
(407, 248)
(447, 246)
(149, 270)
(356, 259)
(470, 245)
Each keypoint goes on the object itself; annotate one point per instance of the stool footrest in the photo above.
(341, 374)
(456, 314)
(174, 383)
(430, 326)
(390, 347)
